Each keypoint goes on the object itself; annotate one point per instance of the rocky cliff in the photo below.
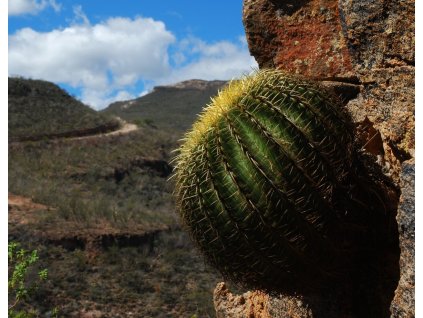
(364, 51)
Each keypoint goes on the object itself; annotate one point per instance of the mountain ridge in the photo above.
(169, 107)
(192, 84)
(40, 109)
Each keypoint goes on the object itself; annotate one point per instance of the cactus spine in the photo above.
(255, 179)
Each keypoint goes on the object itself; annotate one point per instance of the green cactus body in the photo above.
(255, 177)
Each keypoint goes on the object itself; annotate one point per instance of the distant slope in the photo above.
(40, 109)
(172, 108)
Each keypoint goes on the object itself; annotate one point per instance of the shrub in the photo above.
(20, 286)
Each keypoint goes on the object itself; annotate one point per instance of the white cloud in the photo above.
(221, 60)
(100, 100)
(107, 60)
(99, 58)
(20, 7)
(80, 16)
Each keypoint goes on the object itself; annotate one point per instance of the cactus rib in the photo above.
(256, 179)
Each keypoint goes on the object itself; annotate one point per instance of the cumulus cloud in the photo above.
(99, 58)
(209, 61)
(20, 7)
(99, 99)
(107, 60)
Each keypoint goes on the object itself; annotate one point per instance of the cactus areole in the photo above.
(255, 180)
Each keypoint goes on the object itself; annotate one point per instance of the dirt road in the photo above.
(125, 129)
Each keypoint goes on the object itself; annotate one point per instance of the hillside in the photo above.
(99, 211)
(40, 109)
(172, 108)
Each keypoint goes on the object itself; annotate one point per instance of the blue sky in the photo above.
(102, 51)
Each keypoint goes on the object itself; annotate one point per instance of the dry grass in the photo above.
(111, 247)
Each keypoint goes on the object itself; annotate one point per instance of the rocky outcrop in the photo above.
(299, 36)
(349, 45)
(403, 303)
(249, 304)
(379, 34)
(364, 51)
(387, 100)
(380, 38)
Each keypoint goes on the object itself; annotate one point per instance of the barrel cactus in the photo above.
(257, 179)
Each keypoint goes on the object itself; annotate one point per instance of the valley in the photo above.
(99, 209)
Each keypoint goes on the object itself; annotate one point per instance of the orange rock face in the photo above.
(303, 37)
(249, 305)
(366, 43)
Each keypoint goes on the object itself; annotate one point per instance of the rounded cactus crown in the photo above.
(255, 177)
(298, 103)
